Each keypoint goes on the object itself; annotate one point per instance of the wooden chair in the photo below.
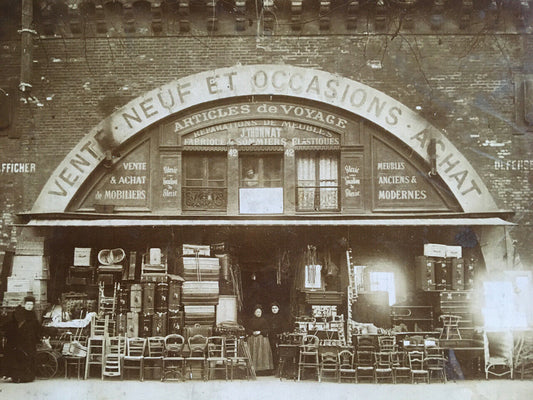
(173, 359)
(114, 354)
(196, 359)
(387, 343)
(346, 366)
(235, 357)
(365, 365)
(450, 326)
(153, 360)
(400, 366)
(134, 357)
(498, 350)
(329, 366)
(95, 354)
(383, 367)
(216, 359)
(417, 365)
(308, 357)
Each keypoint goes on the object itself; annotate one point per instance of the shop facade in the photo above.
(280, 168)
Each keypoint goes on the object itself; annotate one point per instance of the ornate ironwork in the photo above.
(205, 198)
(318, 198)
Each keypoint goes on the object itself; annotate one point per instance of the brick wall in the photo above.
(463, 84)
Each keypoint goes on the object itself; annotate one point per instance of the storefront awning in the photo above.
(116, 222)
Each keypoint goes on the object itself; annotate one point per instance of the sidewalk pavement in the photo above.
(264, 388)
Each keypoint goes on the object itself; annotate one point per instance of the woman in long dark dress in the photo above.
(277, 325)
(23, 334)
(258, 342)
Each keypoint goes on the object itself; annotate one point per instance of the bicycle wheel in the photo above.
(46, 364)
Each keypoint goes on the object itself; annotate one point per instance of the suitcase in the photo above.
(199, 269)
(148, 298)
(443, 279)
(456, 266)
(174, 295)
(123, 305)
(202, 315)
(136, 298)
(146, 325)
(197, 329)
(132, 324)
(161, 297)
(159, 324)
(175, 322)
(200, 293)
(425, 273)
(469, 274)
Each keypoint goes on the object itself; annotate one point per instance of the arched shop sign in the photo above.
(292, 83)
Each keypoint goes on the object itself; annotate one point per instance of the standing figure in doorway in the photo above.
(23, 334)
(258, 342)
(277, 327)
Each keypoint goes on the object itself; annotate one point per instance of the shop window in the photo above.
(383, 282)
(261, 184)
(317, 181)
(204, 178)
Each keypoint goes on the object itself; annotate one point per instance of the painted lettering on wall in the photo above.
(352, 173)
(17, 168)
(513, 165)
(169, 177)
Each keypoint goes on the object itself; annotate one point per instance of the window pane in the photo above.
(217, 171)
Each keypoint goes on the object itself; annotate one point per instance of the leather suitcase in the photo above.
(174, 295)
(123, 305)
(175, 322)
(148, 298)
(469, 274)
(132, 324)
(197, 329)
(161, 297)
(456, 266)
(443, 276)
(146, 325)
(199, 269)
(136, 298)
(425, 273)
(159, 324)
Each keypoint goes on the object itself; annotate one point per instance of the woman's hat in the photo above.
(29, 298)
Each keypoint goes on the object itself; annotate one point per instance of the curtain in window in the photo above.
(317, 182)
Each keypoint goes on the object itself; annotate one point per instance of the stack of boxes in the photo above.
(30, 273)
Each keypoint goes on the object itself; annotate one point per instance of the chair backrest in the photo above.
(310, 343)
(399, 359)
(450, 320)
(135, 347)
(387, 343)
(365, 358)
(346, 358)
(197, 345)
(329, 358)
(432, 347)
(156, 346)
(231, 346)
(416, 360)
(115, 345)
(499, 344)
(383, 359)
(174, 344)
(215, 346)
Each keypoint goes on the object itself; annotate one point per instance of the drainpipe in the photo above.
(26, 57)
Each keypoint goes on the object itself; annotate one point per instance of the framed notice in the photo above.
(261, 200)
